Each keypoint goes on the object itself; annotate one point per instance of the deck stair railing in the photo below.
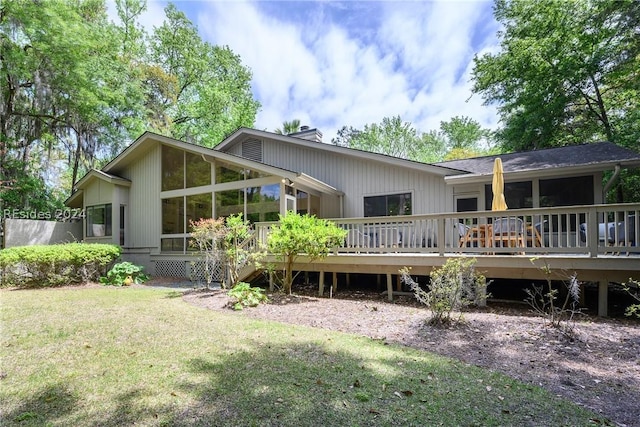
(590, 230)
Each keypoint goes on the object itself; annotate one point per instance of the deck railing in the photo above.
(593, 230)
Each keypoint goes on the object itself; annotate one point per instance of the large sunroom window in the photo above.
(263, 203)
(99, 220)
(388, 205)
(177, 212)
(226, 172)
(181, 169)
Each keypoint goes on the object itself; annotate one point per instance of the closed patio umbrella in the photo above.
(498, 203)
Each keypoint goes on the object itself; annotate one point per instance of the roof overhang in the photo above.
(511, 176)
(241, 133)
(98, 174)
(76, 199)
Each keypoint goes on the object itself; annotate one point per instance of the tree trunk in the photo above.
(76, 161)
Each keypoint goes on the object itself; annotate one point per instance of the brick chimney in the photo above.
(309, 134)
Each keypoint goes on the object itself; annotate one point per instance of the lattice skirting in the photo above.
(171, 268)
(198, 272)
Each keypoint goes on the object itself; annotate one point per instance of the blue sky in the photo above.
(332, 63)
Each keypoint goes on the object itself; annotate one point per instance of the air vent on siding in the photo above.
(252, 149)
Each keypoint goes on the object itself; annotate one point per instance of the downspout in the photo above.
(610, 183)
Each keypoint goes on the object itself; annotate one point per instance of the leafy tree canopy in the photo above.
(567, 72)
(77, 87)
(457, 138)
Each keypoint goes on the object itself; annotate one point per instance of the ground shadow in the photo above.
(46, 406)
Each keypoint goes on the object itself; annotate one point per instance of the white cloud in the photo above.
(331, 64)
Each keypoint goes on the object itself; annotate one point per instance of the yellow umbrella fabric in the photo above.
(498, 203)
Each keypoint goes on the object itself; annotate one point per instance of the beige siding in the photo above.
(358, 178)
(144, 200)
(98, 192)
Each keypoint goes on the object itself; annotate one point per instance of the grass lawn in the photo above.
(124, 356)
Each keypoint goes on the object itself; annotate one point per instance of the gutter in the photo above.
(610, 183)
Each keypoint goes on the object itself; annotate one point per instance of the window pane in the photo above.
(388, 205)
(198, 170)
(375, 206)
(172, 245)
(229, 202)
(263, 203)
(98, 221)
(518, 195)
(172, 168)
(302, 202)
(107, 219)
(172, 215)
(249, 174)
(198, 207)
(566, 191)
(469, 204)
(228, 173)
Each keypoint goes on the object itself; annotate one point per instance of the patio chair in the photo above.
(357, 239)
(537, 235)
(508, 232)
(463, 231)
(389, 237)
(623, 233)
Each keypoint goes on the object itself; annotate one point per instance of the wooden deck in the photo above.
(559, 238)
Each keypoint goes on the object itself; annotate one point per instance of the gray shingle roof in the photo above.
(569, 156)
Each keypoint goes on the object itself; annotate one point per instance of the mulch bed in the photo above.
(598, 367)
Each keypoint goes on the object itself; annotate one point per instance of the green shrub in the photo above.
(297, 234)
(55, 265)
(632, 287)
(124, 273)
(453, 287)
(246, 296)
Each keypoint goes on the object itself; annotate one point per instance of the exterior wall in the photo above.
(477, 190)
(26, 232)
(358, 178)
(144, 209)
(99, 192)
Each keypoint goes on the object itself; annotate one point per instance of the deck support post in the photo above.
(398, 283)
(389, 287)
(320, 283)
(481, 298)
(603, 293)
(271, 282)
(348, 280)
(334, 286)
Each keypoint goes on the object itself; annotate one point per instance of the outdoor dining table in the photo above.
(480, 234)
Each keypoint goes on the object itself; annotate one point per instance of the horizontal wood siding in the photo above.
(144, 200)
(358, 178)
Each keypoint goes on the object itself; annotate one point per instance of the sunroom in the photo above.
(199, 186)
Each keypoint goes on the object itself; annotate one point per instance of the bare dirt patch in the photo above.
(599, 368)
